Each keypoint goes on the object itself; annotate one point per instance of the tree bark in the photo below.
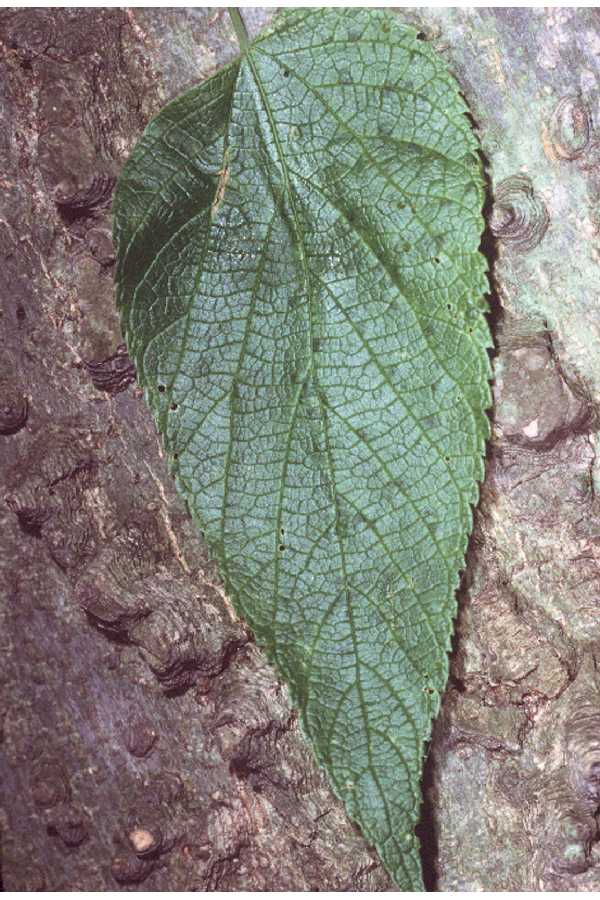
(146, 744)
(515, 760)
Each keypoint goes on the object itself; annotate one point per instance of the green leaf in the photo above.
(302, 292)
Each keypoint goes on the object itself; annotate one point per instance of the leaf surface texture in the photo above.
(302, 293)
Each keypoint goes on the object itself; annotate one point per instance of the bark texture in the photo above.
(516, 756)
(145, 743)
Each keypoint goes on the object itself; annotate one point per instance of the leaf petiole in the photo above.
(239, 28)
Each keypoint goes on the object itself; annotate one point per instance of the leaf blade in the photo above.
(330, 373)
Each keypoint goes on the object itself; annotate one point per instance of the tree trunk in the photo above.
(145, 742)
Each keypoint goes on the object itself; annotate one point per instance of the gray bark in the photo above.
(516, 755)
(145, 742)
